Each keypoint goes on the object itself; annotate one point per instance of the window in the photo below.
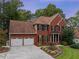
(39, 27)
(52, 38)
(44, 27)
(57, 28)
(55, 36)
(46, 38)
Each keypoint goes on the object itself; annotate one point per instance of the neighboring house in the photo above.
(76, 36)
(68, 23)
(40, 31)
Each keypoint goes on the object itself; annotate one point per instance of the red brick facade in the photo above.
(49, 32)
(56, 24)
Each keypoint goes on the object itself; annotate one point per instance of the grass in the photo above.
(69, 53)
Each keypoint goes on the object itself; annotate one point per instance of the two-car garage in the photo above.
(22, 42)
(21, 33)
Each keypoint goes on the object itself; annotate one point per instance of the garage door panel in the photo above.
(29, 41)
(20, 42)
(16, 42)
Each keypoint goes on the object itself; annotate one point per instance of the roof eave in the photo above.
(22, 33)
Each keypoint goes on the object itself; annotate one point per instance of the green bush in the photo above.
(68, 35)
(76, 46)
(2, 38)
(64, 43)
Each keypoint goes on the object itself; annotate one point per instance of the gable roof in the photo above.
(21, 27)
(45, 20)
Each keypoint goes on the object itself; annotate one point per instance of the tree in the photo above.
(75, 19)
(11, 8)
(8, 11)
(2, 38)
(50, 10)
(1, 13)
(24, 15)
(11, 11)
(77, 14)
(39, 12)
(58, 10)
(68, 35)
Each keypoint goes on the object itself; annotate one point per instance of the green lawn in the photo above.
(69, 53)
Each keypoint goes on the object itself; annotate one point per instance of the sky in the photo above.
(69, 7)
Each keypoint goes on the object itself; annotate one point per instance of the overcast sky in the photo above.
(69, 7)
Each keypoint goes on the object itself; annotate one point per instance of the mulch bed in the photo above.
(56, 53)
(4, 49)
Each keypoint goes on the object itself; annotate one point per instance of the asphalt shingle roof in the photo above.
(21, 27)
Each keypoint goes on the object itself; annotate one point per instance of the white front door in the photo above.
(16, 42)
(29, 41)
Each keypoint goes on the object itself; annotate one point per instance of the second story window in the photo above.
(39, 27)
(55, 28)
(42, 27)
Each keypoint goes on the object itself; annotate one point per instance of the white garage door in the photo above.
(16, 42)
(28, 41)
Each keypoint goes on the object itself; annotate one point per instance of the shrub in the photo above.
(76, 46)
(68, 35)
(2, 38)
(64, 43)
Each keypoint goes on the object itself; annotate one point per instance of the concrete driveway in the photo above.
(26, 52)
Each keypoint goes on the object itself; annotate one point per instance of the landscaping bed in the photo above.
(4, 49)
(54, 51)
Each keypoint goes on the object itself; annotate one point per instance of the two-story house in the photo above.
(40, 31)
